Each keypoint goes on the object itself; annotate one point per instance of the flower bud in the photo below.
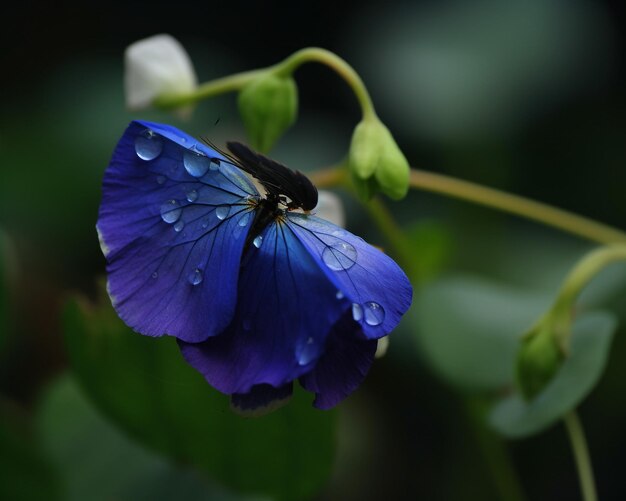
(376, 162)
(268, 106)
(539, 359)
(154, 67)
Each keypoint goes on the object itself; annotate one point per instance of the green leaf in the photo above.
(98, 462)
(468, 329)
(581, 370)
(25, 471)
(145, 386)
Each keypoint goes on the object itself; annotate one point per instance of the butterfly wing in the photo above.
(377, 289)
(289, 302)
(285, 309)
(172, 224)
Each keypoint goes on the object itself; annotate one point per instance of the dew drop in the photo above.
(307, 351)
(155, 275)
(195, 277)
(179, 226)
(160, 179)
(357, 312)
(170, 211)
(205, 224)
(148, 145)
(196, 163)
(243, 220)
(374, 313)
(339, 256)
(215, 164)
(339, 295)
(222, 212)
(258, 240)
(192, 196)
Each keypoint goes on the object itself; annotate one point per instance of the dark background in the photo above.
(549, 124)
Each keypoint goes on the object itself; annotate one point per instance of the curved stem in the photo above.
(581, 454)
(587, 268)
(237, 81)
(209, 89)
(514, 204)
(495, 199)
(583, 272)
(339, 65)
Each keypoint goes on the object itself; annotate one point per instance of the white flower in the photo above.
(156, 66)
(329, 207)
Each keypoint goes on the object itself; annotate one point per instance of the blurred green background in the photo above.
(527, 97)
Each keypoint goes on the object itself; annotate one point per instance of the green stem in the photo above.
(340, 66)
(560, 315)
(499, 200)
(587, 268)
(394, 234)
(213, 88)
(581, 454)
(520, 206)
(237, 81)
(495, 453)
(332, 176)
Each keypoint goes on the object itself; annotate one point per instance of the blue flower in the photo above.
(257, 293)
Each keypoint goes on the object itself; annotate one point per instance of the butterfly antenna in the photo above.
(234, 160)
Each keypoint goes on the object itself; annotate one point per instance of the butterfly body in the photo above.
(266, 212)
(257, 293)
(289, 187)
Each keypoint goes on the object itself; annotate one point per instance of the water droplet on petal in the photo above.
(155, 275)
(374, 313)
(339, 256)
(339, 295)
(192, 196)
(148, 145)
(222, 212)
(258, 240)
(179, 225)
(160, 179)
(243, 220)
(196, 163)
(307, 351)
(195, 277)
(215, 164)
(170, 211)
(357, 312)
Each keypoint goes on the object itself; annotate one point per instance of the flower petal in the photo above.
(286, 307)
(379, 291)
(261, 399)
(172, 225)
(343, 366)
